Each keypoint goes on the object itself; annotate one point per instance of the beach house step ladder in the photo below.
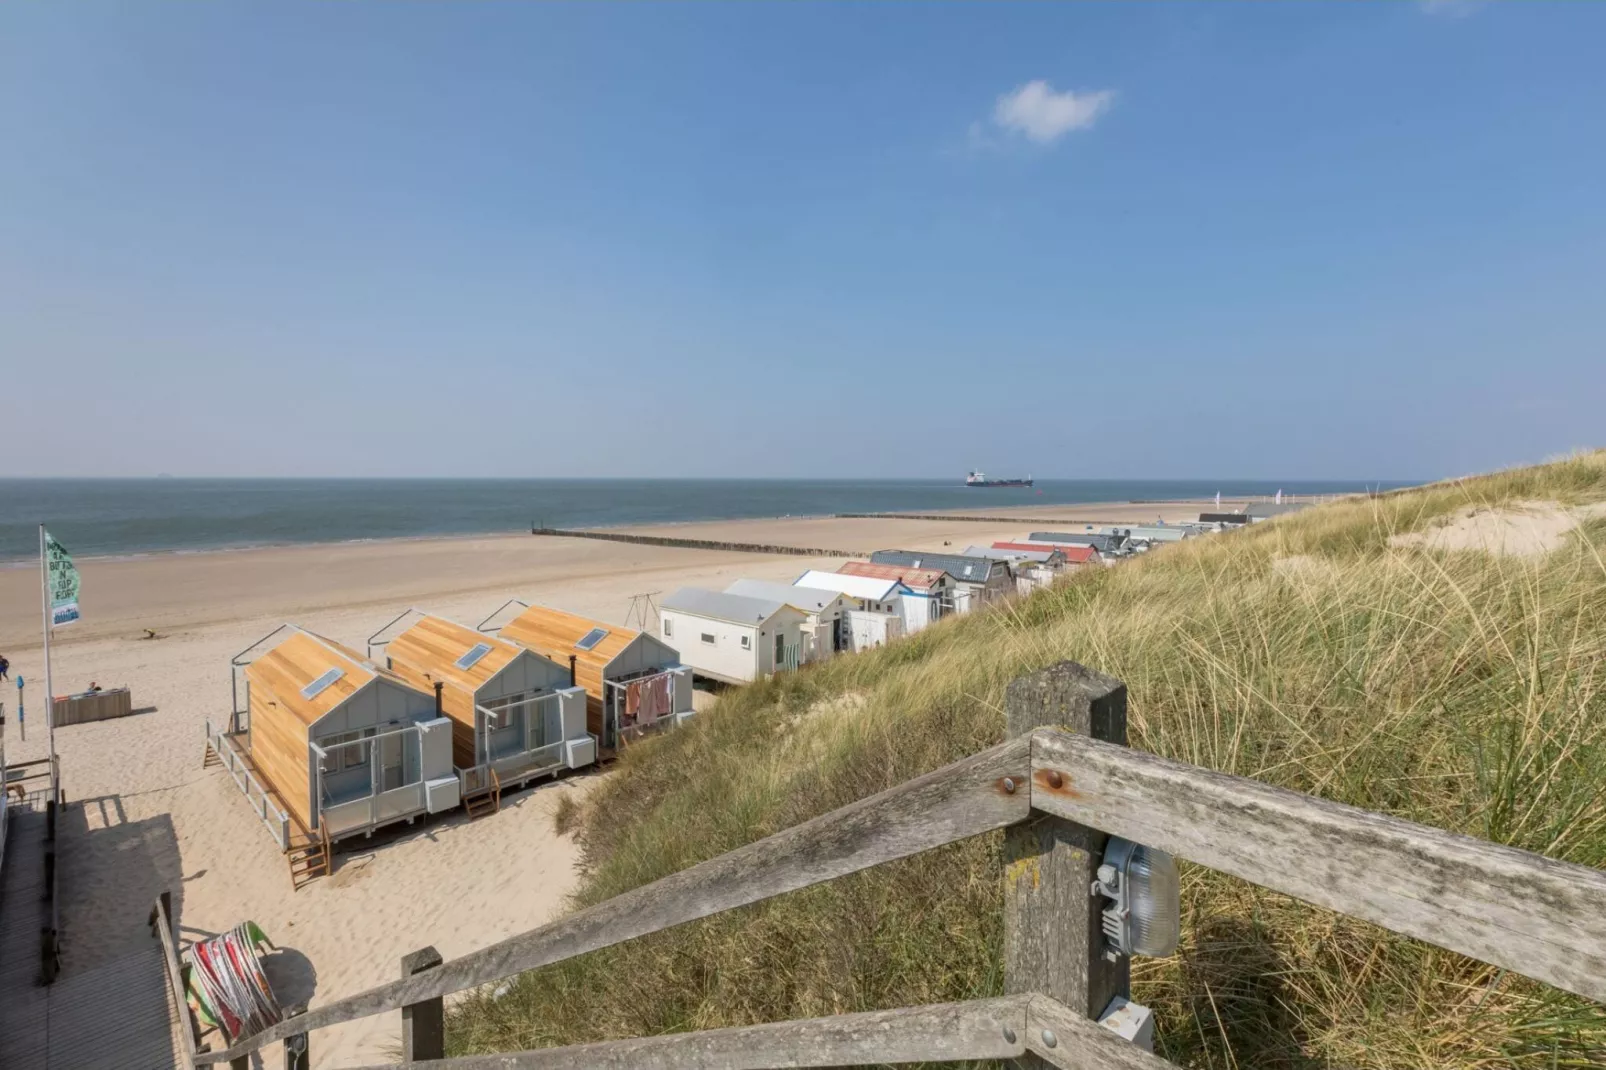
(484, 796)
(310, 858)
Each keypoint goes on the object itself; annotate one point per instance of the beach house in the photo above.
(515, 714)
(1105, 543)
(733, 638)
(342, 745)
(824, 630)
(930, 596)
(875, 606)
(633, 681)
(1070, 556)
(977, 580)
(1032, 568)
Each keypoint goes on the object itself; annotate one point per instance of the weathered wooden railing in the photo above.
(1061, 794)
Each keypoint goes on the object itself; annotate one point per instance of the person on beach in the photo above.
(5, 666)
(93, 687)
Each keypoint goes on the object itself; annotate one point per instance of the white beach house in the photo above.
(824, 630)
(732, 638)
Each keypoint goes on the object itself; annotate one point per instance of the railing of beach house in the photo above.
(378, 806)
(269, 812)
(1061, 784)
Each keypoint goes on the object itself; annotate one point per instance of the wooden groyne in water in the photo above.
(700, 544)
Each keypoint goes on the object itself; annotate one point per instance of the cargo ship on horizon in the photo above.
(978, 479)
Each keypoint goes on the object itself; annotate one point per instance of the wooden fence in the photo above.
(1061, 784)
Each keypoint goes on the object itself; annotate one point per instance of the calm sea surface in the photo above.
(129, 516)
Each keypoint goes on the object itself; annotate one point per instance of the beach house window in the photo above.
(707, 638)
(346, 750)
(747, 642)
(668, 627)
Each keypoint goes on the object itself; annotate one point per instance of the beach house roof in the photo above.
(876, 589)
(718, 605)
(960, 567)
(1048, 555)
(808, 599)
(1104, 543)
(439, 649)
(1079, 554)
(557, 635)
(309, 675)
(916, 579)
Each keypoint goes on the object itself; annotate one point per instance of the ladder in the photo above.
(485, 798)
(310, 858)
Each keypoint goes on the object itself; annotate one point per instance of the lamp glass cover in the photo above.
(1154, 897)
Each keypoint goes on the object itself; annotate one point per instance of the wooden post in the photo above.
(1053, 939)
(423, 1024)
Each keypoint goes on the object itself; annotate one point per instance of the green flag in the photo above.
(63, 582)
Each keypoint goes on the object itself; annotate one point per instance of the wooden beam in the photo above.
(944, 1032)
(954, 803)
(162, 925)
(1514, 909)
(1066, 1039)
(1054, 942)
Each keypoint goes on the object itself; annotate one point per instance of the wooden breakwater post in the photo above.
(1053, 932)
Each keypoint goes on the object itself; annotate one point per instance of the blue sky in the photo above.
(1306, 241)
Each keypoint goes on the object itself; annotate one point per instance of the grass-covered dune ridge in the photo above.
(1459, 689)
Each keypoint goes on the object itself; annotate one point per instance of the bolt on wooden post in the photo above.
(1053, 935)
(423, 1024)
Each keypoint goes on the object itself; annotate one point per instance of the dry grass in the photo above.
(1461, 689)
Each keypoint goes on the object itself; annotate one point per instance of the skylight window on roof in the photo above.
(591, 638)
(475, 653)
(321, 684)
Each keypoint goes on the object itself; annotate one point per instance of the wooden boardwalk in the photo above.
(117, 1016)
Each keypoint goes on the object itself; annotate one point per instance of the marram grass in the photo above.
(1458, 689)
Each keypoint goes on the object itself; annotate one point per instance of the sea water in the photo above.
(99, 517)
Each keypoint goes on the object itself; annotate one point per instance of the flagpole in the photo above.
(50, 692)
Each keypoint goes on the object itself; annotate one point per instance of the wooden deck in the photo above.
(117, 1016)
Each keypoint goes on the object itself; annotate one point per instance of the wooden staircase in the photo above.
(485, 798)
(309, 858)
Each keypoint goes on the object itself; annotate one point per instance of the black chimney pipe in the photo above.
(572, 659)
(439, 707)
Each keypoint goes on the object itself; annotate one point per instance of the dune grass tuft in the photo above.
(1458, 689)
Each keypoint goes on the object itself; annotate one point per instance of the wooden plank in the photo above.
(1054, 941)
(1060, 1036)
(163, 924)
(944, 1032)
(1529, 914)
(954, 803)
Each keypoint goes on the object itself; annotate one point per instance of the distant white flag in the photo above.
(1279, 495)
(62, 581)
(1218, 499)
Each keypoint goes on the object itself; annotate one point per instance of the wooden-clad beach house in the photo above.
(333, 744)
(633, 680)
(515, 714)
(732, 638)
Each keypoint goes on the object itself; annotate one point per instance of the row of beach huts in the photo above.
(328, 742)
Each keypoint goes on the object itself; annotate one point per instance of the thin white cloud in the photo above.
(1036, 112)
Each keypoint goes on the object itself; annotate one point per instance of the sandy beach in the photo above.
(146, 817)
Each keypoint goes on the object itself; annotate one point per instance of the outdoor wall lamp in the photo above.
(1144, 916)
